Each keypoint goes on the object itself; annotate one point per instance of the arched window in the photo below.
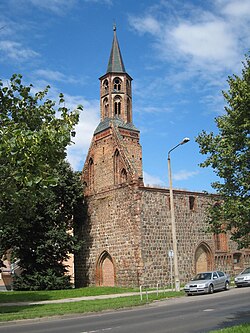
(124, 176)
(106, 107)
(129, 111)
(117, 106)
(128, 87)
(91, 173)
(117, 84)
(106, 86)
(116, 166)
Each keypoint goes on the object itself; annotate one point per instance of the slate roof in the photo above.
(107, 122)
(115, 64)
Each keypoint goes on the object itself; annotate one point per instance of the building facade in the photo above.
(127, 228)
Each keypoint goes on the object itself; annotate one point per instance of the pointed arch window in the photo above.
(117, 106)
(106, 107)
(124, 176)
(91, 173)
(105, 86)
(129, 111)
(128, 87)
(116, 166)
(117, 84)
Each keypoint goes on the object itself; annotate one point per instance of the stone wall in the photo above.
(113, 227)
(131, 226)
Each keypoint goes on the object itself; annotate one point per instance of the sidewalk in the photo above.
(83, 298)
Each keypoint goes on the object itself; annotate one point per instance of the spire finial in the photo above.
(114, 26)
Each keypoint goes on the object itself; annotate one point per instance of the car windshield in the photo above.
(246, 271)
(203, 276)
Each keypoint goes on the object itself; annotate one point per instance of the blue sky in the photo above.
(179, 54)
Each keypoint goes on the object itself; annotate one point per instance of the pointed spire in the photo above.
(115, 64)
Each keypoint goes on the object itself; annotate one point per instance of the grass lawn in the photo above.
(13, 312)
(235, 329)
(47, 295)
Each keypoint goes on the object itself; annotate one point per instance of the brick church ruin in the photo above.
(127, 230)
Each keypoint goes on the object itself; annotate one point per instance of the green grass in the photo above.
(34, 296)
(13, 312)
(245, 328)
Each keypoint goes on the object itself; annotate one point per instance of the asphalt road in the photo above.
(195, 314)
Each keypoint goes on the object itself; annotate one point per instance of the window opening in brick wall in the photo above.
(237, 258)
(191, 202)
(129, 117)
(117, 84)
(124, 176)
(117, 106)
(117, 167)
(91, 173)
(220, 241)
(106, 107)
(106, 86)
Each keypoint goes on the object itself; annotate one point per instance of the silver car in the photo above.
(243, 279)
(207, 283)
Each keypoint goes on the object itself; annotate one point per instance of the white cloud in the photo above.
(235, 8)
(150, 180)
(16, 51)
(55, 76)
(104, 2)
(207, 42)
(56, 6)
(89, 119)
(184, 175)
(147, 24)
(212, 41)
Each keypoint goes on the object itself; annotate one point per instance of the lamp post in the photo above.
(172, 213)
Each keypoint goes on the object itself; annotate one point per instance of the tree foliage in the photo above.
(229, 155)
(38, 190)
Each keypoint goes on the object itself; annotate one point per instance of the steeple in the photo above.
(115, 64)
(115, 155)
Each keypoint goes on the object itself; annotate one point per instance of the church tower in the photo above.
(115, 155)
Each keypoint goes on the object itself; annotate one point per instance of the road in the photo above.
(195, 314)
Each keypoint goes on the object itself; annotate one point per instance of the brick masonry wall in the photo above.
(157, 235)
(133, 225)
(113, 225)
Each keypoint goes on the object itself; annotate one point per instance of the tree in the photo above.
(43, 250)
(229, 155)
(34, 136)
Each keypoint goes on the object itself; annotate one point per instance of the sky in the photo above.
(179, 54)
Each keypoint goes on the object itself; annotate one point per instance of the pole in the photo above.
(171, 272)
(176, 270)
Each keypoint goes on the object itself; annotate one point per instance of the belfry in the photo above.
(114, 157)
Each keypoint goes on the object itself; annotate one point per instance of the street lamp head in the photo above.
(185, 140)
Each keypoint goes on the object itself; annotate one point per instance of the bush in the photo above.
(47, 280)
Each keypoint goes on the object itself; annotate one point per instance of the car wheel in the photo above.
(210, 289)
(189, 294)
(226, 285)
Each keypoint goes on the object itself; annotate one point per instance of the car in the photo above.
(207, 283)
(243, 279)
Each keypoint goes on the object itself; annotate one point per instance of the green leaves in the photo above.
(228, 153)
(36, 202)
